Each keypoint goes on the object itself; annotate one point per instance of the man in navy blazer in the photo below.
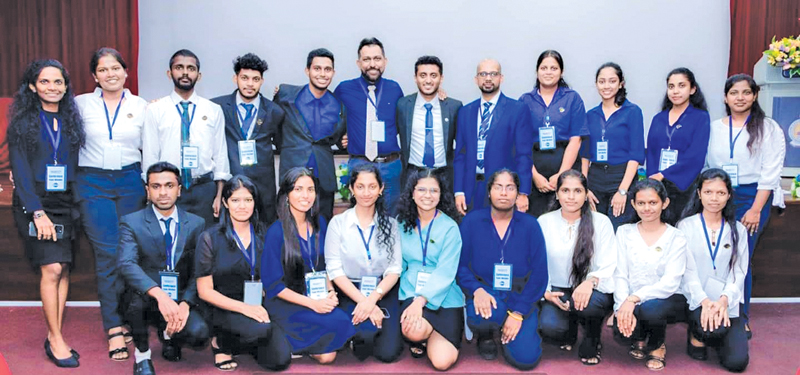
(494, 132)
(161, 286)
(252, 127)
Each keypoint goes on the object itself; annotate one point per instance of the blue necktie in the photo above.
(248, 119)
(186, 173)
(485, 117)
(428, 159)
(168, 240)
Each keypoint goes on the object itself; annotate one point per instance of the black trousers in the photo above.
(562, 326)
(730, 342)
(652, 318)
(199, 198)
(142, 311)
(326, 204)
(266, 341)
(604, 182)
(678, 199)
(547, 163)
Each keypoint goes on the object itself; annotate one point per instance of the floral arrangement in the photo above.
(342, 179)
(785, 54)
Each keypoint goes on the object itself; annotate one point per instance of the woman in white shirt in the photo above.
(650, 264)
(364, 260)
(716, 264)
(109, 183)
(751, 148)
(581, 258)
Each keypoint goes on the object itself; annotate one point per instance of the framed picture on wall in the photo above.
(786, 111)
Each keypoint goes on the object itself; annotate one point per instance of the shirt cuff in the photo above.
(333, 274)
(459, 193)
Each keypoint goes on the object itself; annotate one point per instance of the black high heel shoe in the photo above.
(699, 353)
(70, 362)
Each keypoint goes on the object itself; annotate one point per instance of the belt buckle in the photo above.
(480, 176)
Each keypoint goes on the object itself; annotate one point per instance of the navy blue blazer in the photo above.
(509, 144)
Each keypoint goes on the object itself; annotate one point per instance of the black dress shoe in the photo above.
(69, 362)
(144, 368)
(170, 351)
(699, 353)
(487, 349)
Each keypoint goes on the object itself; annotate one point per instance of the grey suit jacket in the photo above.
(405, 119)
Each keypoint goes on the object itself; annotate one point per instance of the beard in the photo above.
(493, 90)
(184, 87)
(370, 80)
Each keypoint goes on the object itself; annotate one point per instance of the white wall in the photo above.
(647, 38)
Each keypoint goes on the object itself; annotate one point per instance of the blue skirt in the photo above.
(309, 332)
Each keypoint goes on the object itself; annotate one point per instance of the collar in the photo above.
(177, 99)
(351, 219)
(564, 221)
(377, 84)
(307, 97)
(493, 100)
(159, 216)
(240, 101)
(421, 101)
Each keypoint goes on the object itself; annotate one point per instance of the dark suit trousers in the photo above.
(267, 342)
(198, 200)
(142, 311)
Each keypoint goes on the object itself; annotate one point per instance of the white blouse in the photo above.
(345, 254)
(763, 166)
(649, 272)
(127, 130)
(699, 267)
(560, 238)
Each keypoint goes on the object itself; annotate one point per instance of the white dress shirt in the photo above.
(417, 145)
(345, 254)
(699, 266)
(560, 238)
(763, 166)
(649, 272)
(127, 130)
(243, 114)
(161, 137)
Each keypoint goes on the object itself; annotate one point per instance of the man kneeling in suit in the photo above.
(156, 259)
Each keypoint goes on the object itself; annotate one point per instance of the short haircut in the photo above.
(250, 61)
(428, 60)
(185, 53)
(161, 167)
(493, 177)
(370, 42)
(103, 52)
(319, 52)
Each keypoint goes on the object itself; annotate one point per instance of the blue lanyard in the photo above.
(108, 120)
(713, 253)
(732, 140)
(308, 247)
(378, 87)
(191, 119)
(504, 240)
(366, 241)
(546, 118)
(55, 139)
(670, 133)
(251, 258)
(170, 248)
(427, 238)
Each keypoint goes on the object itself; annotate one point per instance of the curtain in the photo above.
(753, 24)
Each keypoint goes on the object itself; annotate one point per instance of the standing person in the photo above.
(364, 259)
(678, 139)
(200, 150)
(755, 157)
(252, 127)
(427, 124)
(503, 273)
(581, 258)
(651, 261)
(615, 147)
(157, 260)
(108, 183)
(315, 121)
(299, 295)
(44, 135)
(559, 121)
(431, 301)
(493, 133)
(228, 269)
(716, 265)
(371, 103)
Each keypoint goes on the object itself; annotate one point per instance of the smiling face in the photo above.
(50, 86)
(366, 189)
(320, 73)
(426, 194)
(489, 76)
(428, 79)
(548, 73)
(371, 62)
(714, 195)
(740, 97)
(608, 83)
(110, 74)
(571, 195)
(303, 195)
(240, 205)
(648, 205)
(679, 89)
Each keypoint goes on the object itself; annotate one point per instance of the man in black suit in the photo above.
(427, 124)
(315, 121)
(156, 259)
(252, 126)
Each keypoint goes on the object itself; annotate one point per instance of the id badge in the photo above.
(668, 159)
(422, 279)
(547, 138)
(56, 177)
(502, 276)
(190, 157)
(714, 287)
(733, 172)
(481, 149)
(378, 131)
(112, 157)
(169, 283)
(316, 285)
(368, 285)
(247, 153)
(602, 150)
(253, 291)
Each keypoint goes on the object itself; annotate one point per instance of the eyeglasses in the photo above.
(488, 74)
(508, 188)
(423, 191)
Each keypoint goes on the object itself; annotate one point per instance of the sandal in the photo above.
(227, 365)
(128, 336)
(418, 349)
(566, 347)
(657, 362)
(113, 352)
(699, 353)
(637, 350)
(590, 354)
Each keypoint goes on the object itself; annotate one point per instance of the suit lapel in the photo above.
(445, 109)
(183, 233)
(261, 118)
(497, 117)
(234, 127)
(151, 222)
(410, 122)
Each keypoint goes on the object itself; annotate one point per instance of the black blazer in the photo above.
(141, 252)
(405, 119)
(298, 144)
(267, 132)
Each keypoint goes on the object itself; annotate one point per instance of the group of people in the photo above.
(540, 226)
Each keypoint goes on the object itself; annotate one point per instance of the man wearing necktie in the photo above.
(371, 103)
(189, 131)
(252, 127)
(427, 124)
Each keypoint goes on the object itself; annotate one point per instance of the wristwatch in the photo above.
(622, 192)
(379, 291)
(38, 214)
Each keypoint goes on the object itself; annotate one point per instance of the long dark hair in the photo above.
(755, 128)
(25, 126)
(622, 93)
(557, 56)
(407, 213)
(385, 236)
(697, 99)
(695, 205)
(584, 245)
(225, 223)
(292, 256)
(659, 189)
